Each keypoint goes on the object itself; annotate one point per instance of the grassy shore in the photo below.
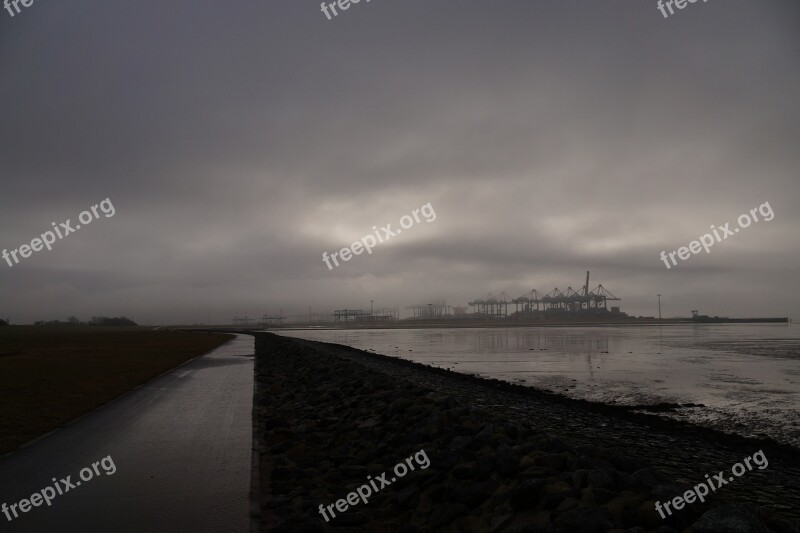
(52, 375)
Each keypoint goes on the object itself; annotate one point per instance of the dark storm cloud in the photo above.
(239, 141)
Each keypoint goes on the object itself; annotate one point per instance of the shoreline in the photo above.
(738, 379)
(679, 452)
(463, 324)
(636, 413)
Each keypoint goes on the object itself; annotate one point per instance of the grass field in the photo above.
(51, 375)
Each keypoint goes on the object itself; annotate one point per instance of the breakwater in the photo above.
(502, 457)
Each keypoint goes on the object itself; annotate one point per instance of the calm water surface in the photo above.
(747, 377)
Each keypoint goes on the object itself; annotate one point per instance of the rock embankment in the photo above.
(327, 423)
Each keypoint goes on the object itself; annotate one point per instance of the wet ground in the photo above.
(684, 453)
(181, 446)
(740, 378)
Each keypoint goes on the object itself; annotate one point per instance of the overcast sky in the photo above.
(240, 140)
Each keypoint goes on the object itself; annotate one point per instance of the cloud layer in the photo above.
(239, 141)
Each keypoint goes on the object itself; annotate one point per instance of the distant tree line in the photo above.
(95, 321)
(3, 322)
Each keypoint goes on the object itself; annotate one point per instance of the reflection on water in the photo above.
(746, 376)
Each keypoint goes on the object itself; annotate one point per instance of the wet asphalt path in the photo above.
(181, 446)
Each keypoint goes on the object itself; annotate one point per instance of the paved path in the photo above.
(182, 450)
